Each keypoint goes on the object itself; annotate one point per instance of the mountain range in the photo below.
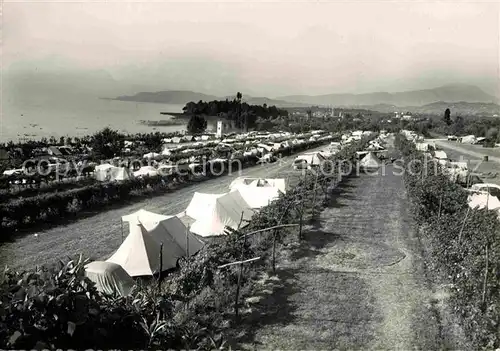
(466, 99)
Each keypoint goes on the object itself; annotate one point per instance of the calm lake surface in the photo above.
(34, 119)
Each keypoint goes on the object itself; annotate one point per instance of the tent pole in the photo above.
(121, 224)
(161, 267)
(187, 241)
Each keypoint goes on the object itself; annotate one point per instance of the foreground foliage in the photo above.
(462, 244)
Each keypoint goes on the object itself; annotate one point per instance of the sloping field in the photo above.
(99, 235)
(356, 282)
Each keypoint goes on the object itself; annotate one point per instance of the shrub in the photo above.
(463, 248)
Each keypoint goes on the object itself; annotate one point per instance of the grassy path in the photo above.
(356, 282)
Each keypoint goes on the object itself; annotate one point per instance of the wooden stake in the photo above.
(187, 241)
(239, 262)
(485, 275)
(440, 203)
(241, 220)
(161, 267)
(314, 196)
(121, 225)
(240, 272)
(463, 225)
(274, 250)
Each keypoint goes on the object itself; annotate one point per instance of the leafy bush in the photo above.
(463, 247)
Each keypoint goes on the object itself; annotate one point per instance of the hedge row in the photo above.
(192, 310)
(462, 244)
(24, 213)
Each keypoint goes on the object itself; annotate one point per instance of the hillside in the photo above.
(464, 99)
(450, 93)
(167, 97)
(437, 108)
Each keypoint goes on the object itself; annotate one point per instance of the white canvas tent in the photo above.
(177, 240)
(213, 212)
(258, 197)
(151, 155)
(148, 171)
(484, 200)
(440, 155)
(312, 158)
(468, 139)
(109, 278)
(279, 183)
(120, 174)
(139, 254)
(370, 161)
(102, 172)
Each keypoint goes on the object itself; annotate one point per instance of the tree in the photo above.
(492, 134)
(153, 142)
(241, 124)
(447, 117)
(107, 142)
(309, 113)
(458, 126)
(197, 124)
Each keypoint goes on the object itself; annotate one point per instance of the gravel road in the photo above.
(98, 236)
(467, 150)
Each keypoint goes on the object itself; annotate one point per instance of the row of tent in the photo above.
(156, 242)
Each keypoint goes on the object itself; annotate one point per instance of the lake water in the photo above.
(34, 119)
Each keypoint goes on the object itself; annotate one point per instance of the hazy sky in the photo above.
(260, 48)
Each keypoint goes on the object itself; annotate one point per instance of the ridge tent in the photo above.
(258, 197)
(151, 155)
(139, 254)
(213, 212)
(279, 183)
(144, 217)
(310, 158)
(168, 230)
(468, 139)
(120, 174)
(148, 171)
(102, 172)
(370, 161)
(109, 278)
(484, 200)
(440, 155)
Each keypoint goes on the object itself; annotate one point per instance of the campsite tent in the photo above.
(213, 212)
(139, 254)
(258, 182)
(151, 155)
(441, 155)
(258, 197)
(370, 161)
(484, 200)
(103, 171)
(468, 139)
(422, 146)
(169, 230)
(120, 174)
(109, 278)
(148, 171)
(311, 158)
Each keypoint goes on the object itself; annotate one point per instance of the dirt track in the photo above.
(357, 281)
(98, 236)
